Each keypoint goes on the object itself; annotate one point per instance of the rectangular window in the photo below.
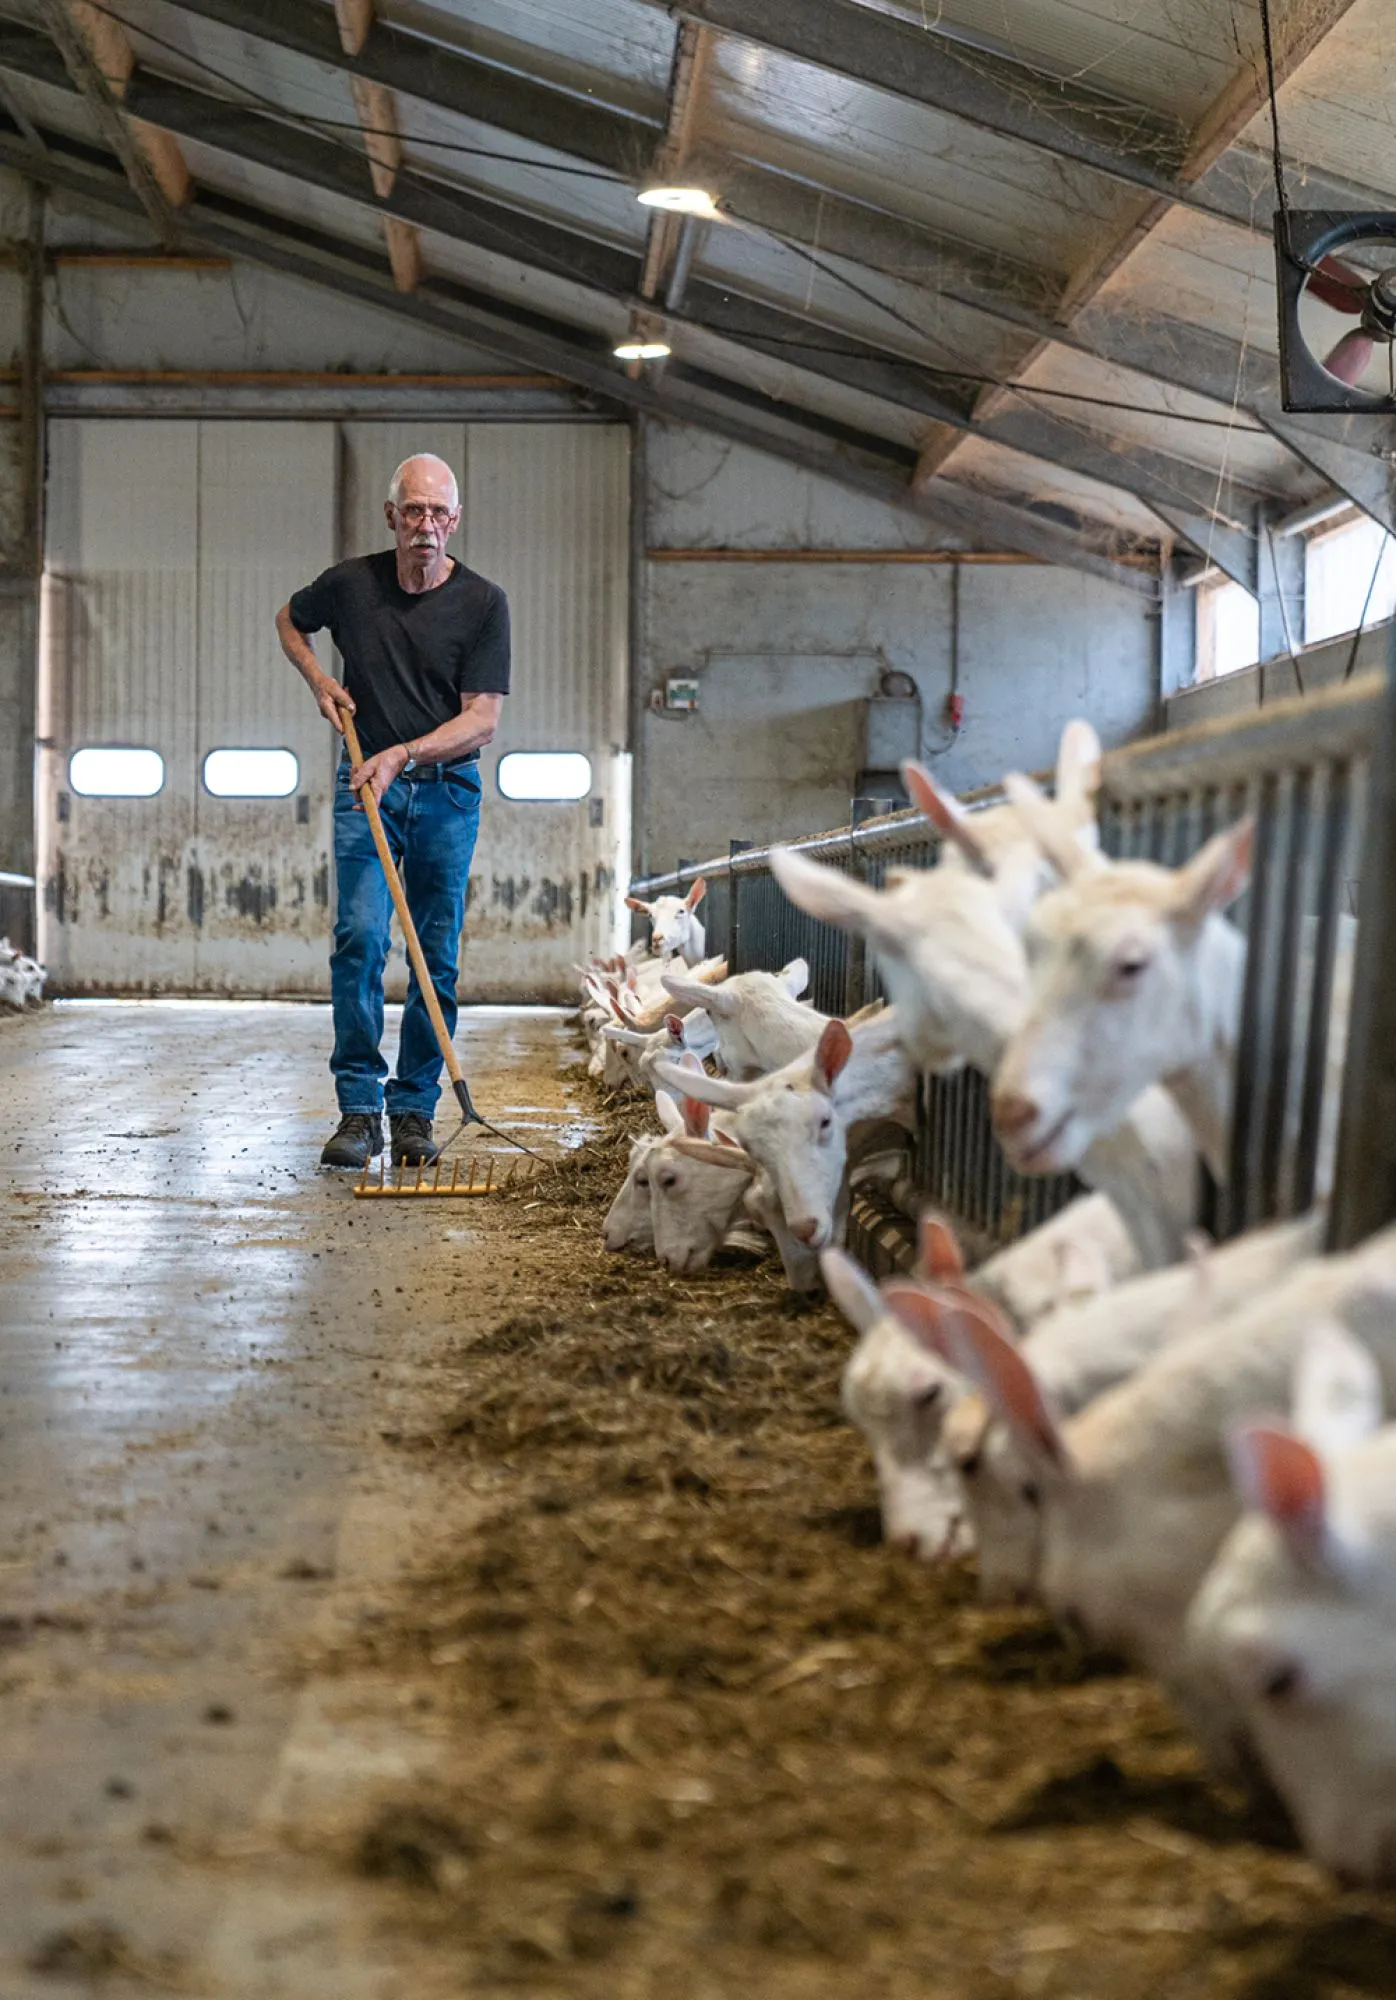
(102, 771)
(1349, 579)
(1228, 629)
(545, 774)
(251, 774)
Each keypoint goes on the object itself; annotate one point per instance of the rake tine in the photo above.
(489, 1175)
(421, 1169)
(455, 1175)
(401, 1170)
(436, 1183)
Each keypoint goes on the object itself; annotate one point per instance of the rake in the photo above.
(461, 1089)
(406, 1185)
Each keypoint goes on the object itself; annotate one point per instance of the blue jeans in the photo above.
(431, 832)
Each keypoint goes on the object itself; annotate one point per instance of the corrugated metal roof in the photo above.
(821, 135)
(1175, 59)
(903, 157)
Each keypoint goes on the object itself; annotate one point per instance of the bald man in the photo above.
(425, 646)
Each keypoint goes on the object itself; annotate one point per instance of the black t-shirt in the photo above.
(408, 657)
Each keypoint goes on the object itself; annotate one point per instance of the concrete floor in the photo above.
(202, 1339)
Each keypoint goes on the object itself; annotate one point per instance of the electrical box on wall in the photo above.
(893, 734)
(678, 696)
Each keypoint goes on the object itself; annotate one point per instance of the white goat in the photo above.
(675, 931)
(758, 1021)
(1136, 979)
(1297, 1616)
(1075, 1354)
(1134, 1493)
(948, 945)
(797, 1122)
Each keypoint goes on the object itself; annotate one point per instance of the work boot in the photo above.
(358, 1140)
(413, 1145)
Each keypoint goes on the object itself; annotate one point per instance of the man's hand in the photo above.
(330, 698)
(378, 771)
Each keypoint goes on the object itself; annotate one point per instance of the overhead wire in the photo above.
(254, 98)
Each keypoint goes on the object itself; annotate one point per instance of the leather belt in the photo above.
(432, 774)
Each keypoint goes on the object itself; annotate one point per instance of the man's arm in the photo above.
(470, 730)
(330, 697)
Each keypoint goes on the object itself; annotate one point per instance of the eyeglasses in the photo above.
(414, 513)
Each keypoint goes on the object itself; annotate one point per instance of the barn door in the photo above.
(170, 545)
(544, 513)
(120, 908)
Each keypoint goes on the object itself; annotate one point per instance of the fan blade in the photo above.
(1350, 357)
(1336, 284)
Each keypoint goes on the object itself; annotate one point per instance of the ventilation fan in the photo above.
(1337, 287)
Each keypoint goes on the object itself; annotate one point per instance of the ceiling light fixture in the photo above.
(680, 200)
(642, 350)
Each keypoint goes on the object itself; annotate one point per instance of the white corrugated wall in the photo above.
(170, 546)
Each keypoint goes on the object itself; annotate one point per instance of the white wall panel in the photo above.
(547, 517)
(266, 526)
(121, 622)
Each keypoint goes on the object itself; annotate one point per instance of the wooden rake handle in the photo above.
(404, 917)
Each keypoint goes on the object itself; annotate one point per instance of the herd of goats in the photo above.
(1177, 1447)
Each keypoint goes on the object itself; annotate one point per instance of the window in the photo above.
(1228, 629)
(545, 774)
(110, 773)
(1341, 568)
(251, 774)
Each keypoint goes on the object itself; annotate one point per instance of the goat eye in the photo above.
(969, 1467)
(667, 1181)
(1282, 1682)
(1129, 969)
(1031, 1493)
(642, 1180)
(928, 1396)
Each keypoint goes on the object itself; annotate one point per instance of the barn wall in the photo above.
(785, 653)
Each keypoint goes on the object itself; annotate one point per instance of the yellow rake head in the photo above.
(431, 1179)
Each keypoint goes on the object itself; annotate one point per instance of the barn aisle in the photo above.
(203, 1338)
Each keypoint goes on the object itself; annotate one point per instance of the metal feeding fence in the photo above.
(1302, 767)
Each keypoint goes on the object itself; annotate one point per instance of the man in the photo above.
(425, 646)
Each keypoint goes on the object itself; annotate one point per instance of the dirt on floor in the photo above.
(702, 1735)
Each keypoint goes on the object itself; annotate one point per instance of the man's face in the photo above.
(426, 515)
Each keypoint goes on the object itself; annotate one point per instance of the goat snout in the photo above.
(805, 1229)
(1012, 1112)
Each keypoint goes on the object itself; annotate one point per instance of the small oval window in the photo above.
(105, 772)
(544, 774)
(251, 774)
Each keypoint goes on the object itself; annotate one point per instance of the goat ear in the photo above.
(795, 977)
(634, 903)
(825, 893)
(831, 1052)
(695, 894)
(1277, 1474)
(718, 1090)
(694, 993)
(673, 1028)
(717, 1155)
(695, 1113)
(1078, 770)
(1337, 1398)
(983, 1352)
(1047, 827)
(924, 1314)
(1217, 874)
(668, 1113)
(940, 1255)
(851, 1289)
(946, 815)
